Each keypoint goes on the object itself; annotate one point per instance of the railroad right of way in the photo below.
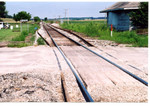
(103, 81)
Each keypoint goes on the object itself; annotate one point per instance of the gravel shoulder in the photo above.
(33, 74)
(29, 74)
(30, 87)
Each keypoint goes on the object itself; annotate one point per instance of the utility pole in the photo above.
(59, 18)
(66, 10)
(65, 13)
(68, 16)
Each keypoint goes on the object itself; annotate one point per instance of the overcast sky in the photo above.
(54, 9)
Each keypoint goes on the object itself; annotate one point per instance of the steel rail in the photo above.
(66, 99)
(126, 71)
(86, 95)
(86, 42)
(43, 38)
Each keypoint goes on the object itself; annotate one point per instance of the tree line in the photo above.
(19, 16)
(3, 12)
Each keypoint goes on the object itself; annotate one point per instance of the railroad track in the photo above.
(54, 34)
(85, 93)
(86, 42)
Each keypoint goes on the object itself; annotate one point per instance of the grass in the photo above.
(40, 41)
(16, 35)
(26, 32)
(100, 30)
(19, 45)
(91, 28)
(22, 36)
(7, 35)
(32, 39)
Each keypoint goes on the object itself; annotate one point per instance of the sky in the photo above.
(56, 9)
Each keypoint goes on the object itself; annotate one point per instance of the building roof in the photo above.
(122, 6)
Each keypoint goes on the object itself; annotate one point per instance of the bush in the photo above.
(21, 37)
(37, 19)
(142, 42)
(32, 38)
(32, 28)
(139, 18)
(40, 41)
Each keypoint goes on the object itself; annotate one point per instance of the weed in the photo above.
(21, 37)
(16, 35)
(32, 38)
(102, 31)
(19, 45)
(40, 41)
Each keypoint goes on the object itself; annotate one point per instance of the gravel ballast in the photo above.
(30, 87)
(29, 74)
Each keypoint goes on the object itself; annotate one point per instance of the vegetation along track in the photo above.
(54, 33)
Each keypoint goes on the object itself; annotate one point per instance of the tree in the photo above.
(22, 15)
(3, 12)
(139, 17)
(15, 18)
(45, 19)
(37, 19)
(8, 16)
